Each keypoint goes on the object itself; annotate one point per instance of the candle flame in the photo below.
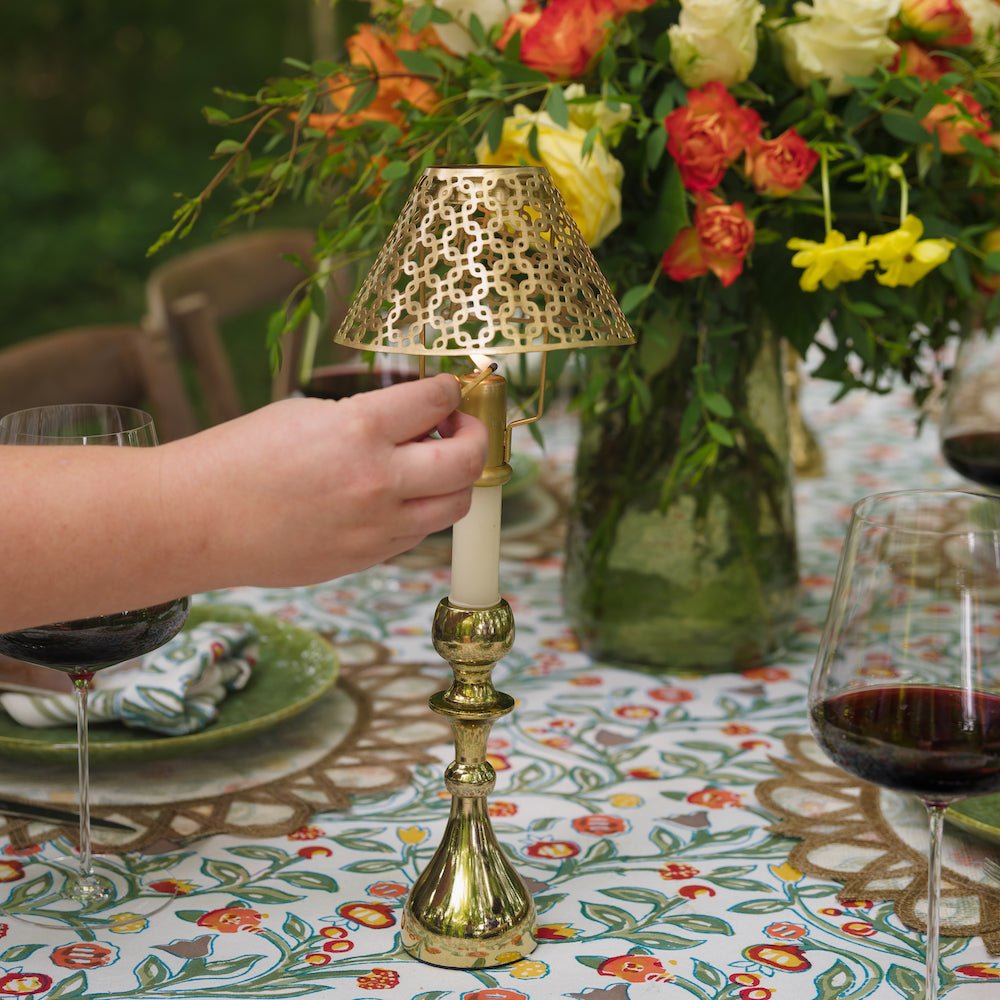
(481, 361)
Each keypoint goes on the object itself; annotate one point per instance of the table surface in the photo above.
(627, 799)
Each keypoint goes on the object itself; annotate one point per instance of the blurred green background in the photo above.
(103, 125)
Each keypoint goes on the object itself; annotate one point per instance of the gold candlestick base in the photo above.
(469, 908)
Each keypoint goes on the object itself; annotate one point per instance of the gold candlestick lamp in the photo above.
(482, 261)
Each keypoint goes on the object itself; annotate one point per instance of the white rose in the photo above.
(586, 114)
(985, 18)
(715, 40)
(455, 36)
(838, 39)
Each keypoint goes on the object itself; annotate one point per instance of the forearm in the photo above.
(85, 531)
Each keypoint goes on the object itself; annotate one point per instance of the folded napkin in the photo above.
(175, 690)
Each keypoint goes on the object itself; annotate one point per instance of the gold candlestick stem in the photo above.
(469, 907)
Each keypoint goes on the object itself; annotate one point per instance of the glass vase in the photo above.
(699, 578)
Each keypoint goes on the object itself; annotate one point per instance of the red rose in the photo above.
(708, 134)
(719, 241)
(780, 166)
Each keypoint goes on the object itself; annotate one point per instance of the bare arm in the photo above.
(298, 492)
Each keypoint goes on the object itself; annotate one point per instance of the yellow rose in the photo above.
(591, 186)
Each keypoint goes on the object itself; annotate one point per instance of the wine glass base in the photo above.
(53, 893)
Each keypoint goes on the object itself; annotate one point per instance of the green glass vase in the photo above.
(706, 578)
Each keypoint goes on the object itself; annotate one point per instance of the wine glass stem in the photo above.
(935, 813)
(81, 687)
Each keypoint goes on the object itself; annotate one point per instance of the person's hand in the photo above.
(305, 490)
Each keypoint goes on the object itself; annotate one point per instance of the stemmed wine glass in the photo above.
(906, 688)
(84, 646)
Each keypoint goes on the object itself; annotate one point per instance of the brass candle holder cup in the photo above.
(481, 261)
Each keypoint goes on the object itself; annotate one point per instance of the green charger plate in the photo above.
(294, 668)
(979, 815)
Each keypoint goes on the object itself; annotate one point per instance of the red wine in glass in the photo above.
(82, 647)
(975, 455)
(938, 743)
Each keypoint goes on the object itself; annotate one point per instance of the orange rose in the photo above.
(708, 134)
(375, 49)
(780, 166)
(567, 36)
(719, 241)
(940, 22)
(952, 120)
(912, 59)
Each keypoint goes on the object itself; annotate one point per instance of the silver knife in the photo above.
(26, 810)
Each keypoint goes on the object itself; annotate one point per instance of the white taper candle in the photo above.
(475, 551)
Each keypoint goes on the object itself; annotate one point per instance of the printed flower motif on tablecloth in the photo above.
(24, 984)
(232, 920)
(84, 955)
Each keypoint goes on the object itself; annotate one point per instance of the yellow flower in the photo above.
(831, 262)
(786, 872)
(528, 968)
(591, 185)
(413, 834)
(128, 923)
(625, 800)
(904, 257)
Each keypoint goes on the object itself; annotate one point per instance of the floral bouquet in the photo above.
(822, 173)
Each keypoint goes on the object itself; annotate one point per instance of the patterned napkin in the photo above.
(175, 690)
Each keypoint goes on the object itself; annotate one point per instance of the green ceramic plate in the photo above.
(294, 667)
(980, 815)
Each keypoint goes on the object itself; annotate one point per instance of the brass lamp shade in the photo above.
(484, 260)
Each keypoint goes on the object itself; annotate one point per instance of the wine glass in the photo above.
(84, 646)
(970, 421)
(906, 687)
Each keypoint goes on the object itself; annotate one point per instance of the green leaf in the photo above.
(721, 434)
(837, 982)
(394, 171)
(905, 981)
(700, 923)
(656, 146)
(709, 975)
(227, 147)
(275, 854)
(718, 404)
(634, 297)
(555, 105)
(760, 906)
(417, 62)
(225, 872)
(373, 866)
(69, 989)
(634, 894)
(494, 126)
(151, 972)
(263, 894)
(296, 929)
(613, 917)
(670, 215)
(316, 881)
(904, 126)
(19, 952)
(657, 939)
(215, 116)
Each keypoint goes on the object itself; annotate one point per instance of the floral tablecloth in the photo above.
(628, 800)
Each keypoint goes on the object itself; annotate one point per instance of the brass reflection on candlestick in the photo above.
(481, 261)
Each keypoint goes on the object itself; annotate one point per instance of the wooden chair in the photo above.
(112, 363)
(188, 297)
